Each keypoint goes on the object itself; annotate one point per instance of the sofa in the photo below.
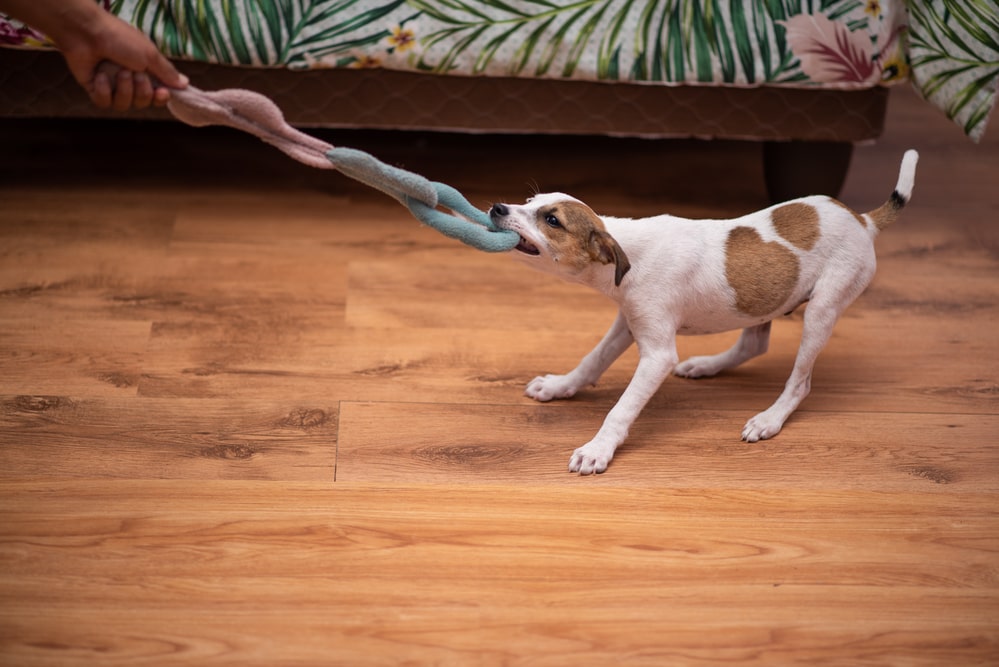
(808, 79)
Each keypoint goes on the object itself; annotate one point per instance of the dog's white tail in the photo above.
(888, 212)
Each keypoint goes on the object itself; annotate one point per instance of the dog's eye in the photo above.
(552, 221)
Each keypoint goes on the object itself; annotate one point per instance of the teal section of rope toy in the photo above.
(422, 197)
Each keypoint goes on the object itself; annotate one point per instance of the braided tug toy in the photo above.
(254, 113)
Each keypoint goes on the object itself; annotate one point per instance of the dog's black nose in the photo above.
(499, 211)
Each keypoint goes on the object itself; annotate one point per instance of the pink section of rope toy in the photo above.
(250, 112)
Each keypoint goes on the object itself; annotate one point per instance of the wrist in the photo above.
(75, 24)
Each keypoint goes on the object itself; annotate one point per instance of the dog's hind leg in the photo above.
(830, 297)
(752, 343)
(820, 318)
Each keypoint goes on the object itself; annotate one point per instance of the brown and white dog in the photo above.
(673, 276)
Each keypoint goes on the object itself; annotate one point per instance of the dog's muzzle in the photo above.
(500, 211)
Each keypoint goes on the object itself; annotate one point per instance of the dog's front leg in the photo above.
(655, 363)
(589, 370)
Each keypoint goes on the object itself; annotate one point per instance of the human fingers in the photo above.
(124, 91)
(161, 95)
(133, 50)
(100, 88)
(142, 90)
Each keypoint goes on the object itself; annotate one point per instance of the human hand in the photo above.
(119, 66)
(115, 87)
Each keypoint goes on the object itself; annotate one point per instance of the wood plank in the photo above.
(61, 256)
(212, 351)
(937, 261)
(80, 218)
(305, 359)
(92, 357)
(485, 291)
(343, 227)
(161, 571)
(308, 353)
(319, 622)
(958, 356)
(198, 282)
(463, 444)
(61, 436)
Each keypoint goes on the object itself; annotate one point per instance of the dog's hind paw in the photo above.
(550, 387)
(761, 427)
(698, 367)
(591, 458)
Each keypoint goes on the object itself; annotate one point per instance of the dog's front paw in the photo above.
(592, 457)
(761, 427)
(550, 387)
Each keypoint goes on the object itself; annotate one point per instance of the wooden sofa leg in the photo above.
(794, 169)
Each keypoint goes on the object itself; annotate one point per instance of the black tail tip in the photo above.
(897, 200)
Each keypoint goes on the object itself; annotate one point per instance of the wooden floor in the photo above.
(253, 414)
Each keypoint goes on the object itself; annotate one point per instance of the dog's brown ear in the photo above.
(604, 249)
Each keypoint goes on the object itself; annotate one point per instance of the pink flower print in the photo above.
(829, 52)
(18, 34)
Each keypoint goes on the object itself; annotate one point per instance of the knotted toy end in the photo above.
(474, 228)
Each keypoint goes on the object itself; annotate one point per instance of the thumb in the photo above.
(163, 70)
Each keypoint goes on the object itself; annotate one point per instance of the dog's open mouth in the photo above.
(527, 247)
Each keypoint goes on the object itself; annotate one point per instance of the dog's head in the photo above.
(561, 235)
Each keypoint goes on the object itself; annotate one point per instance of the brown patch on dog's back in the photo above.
(798, 223)
(763, 274)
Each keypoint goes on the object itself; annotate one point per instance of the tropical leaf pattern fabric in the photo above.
(954, 49)
(666, 41)
(947, 47)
